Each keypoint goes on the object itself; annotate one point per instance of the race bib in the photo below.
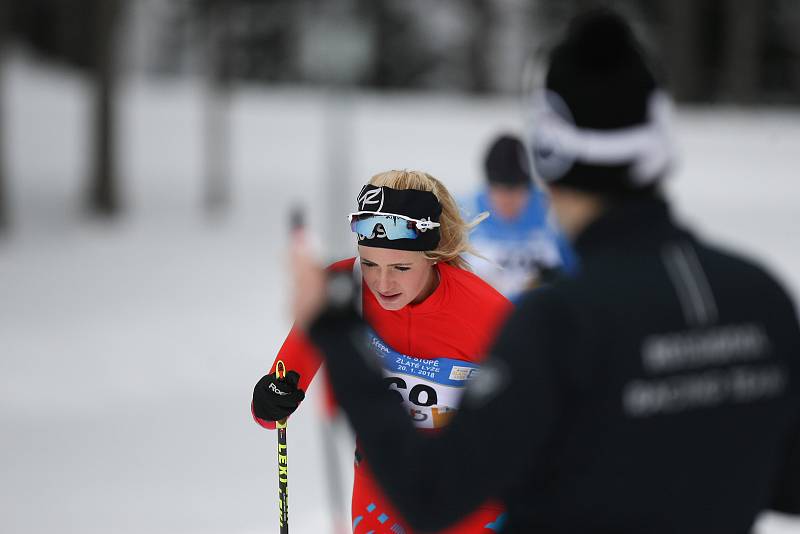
(429, 389)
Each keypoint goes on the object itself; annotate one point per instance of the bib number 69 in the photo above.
(419, 395)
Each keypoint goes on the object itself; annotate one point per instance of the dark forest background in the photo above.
(740, 52)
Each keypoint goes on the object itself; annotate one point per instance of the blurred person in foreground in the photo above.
(519, 246)
(430, 325)
(655, 391)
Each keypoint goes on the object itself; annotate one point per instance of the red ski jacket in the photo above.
(455, 324)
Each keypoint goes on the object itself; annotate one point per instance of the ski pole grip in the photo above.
(280, 369)
(280, 372)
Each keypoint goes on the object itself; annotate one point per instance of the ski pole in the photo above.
(283, 464)
(296, 224)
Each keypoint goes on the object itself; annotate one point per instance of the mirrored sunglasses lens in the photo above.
(390, 227)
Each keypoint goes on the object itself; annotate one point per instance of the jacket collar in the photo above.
(630, 221)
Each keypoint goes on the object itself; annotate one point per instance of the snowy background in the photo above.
(128, 350)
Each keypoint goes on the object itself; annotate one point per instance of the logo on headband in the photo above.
(370, 198)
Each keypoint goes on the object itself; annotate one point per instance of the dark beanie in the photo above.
(601, 121)
(506, 162)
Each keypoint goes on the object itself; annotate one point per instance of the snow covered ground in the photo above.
(128, 351)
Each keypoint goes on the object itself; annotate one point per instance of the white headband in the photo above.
(556, 143)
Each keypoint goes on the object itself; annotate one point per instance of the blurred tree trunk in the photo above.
(103, 189)
(684, 58)
(742, 47)
(4, 215)
(384, 28)
(214, 27)
(484, 23)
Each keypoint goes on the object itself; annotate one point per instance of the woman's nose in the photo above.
(384, 280)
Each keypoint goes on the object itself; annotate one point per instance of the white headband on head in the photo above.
(556, 143)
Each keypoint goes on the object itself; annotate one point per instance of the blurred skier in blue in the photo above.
(520, 245)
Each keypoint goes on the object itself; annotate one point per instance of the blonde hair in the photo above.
(454, 230)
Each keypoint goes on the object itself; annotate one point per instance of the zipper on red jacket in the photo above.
(408, 334)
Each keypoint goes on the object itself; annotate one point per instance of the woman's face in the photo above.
(508, 201)
(397, 277)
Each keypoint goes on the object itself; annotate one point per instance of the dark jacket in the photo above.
(656, 391)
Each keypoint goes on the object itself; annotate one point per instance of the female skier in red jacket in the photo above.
(432, 322)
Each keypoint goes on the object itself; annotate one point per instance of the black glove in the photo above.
(276, 398)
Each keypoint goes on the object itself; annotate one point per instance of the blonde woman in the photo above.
(432, 321)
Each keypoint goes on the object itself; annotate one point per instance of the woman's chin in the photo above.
(391, 303)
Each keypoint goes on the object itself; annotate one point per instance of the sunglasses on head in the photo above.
(391, 226)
